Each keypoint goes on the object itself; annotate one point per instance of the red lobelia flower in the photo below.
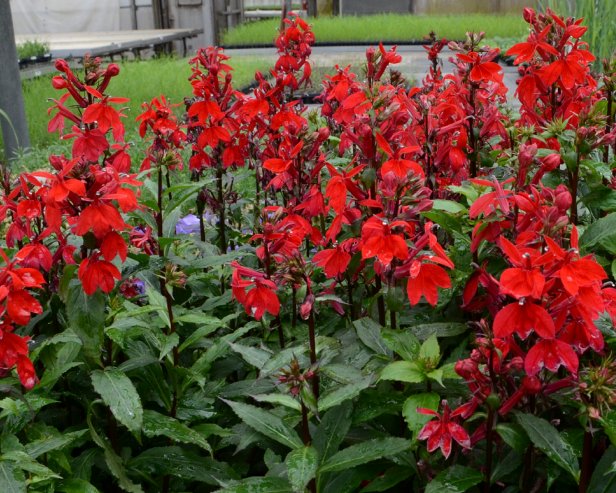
(441, 431)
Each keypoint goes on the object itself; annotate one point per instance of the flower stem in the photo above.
(313, 355)
(586, 471)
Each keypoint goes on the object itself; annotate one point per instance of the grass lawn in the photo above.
(139, 81)
(384, 27)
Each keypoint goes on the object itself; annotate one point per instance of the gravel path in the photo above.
(414, 65)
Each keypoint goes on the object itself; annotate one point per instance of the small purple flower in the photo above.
(187, 225)
(210, 218)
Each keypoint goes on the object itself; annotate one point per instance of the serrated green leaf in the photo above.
(259, 485)
(26, 463)
(439, 329)
(86, 317)
(113, 461)
(252, 355)
(156, 424)
(547, 439)
(513, 436)
(415, 420)
(332, 430)
(447, 206)
(430, 350)
(340, 394)
(402, 343)
(176, 461)
(157, 303)
(8, 482)
(266, 423)
(75, 485)
(601, 233)
(455, 479)
(608, 421)
(39, 447)
(403, 371)
(120, 394)
(302, 466)
(390, 478)
(282, 399)
(603, 478)
(369, 332)
(364, 452)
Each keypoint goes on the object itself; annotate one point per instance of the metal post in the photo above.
(312, 8)
(15, 130)
(133, 14)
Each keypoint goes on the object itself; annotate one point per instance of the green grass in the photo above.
(385, 27)
(140, 81)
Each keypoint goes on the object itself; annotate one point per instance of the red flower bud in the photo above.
(59, 82)
(62, 66)
(112, 70)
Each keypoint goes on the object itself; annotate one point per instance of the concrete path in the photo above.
(414, 65)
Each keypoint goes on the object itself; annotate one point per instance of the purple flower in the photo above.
(187, 225)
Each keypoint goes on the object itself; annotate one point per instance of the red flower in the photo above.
(379, 242)
(20, 305)
(334, 261)
(94, 273)
(424, 280)
(550, 353)
(522, 318)
(101, 218)
(440, 432)
(524, 279)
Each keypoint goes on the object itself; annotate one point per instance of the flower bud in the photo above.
(62, 66)
(113, 69)
(59, 82)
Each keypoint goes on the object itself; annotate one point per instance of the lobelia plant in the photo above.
(407, 289)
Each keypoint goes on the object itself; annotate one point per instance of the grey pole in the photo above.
(14, 132)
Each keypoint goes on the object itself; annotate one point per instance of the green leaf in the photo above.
(75, 485)
(455, 479)
(608, 421)
(302, 466)
(364, 452)
(602, 198)
(176, 461)
(601, 233)
(547, 439)
(113, 461)
(340, 394)
(157, 303)
(369, 332)
(402, 343)
(86, 317)
(119, 393)
(333, 429)
(390, 478)
(259, 485)
(514, 436)
(430, 350)
(252, 355)
(603, 479)
(8, 482)
(266, 423)
(47, 444)
(403, 371)
(447, 206)
(415, 420)
(156, 424)
(439, 329)
(282, 399)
